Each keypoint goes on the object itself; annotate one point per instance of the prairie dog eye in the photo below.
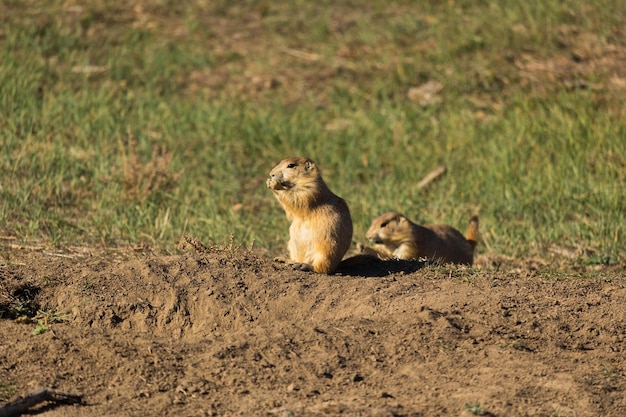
(292, 165)
(384, 224)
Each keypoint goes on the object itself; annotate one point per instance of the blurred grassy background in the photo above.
(133, 124)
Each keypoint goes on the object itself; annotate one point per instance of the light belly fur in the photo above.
(301, 249)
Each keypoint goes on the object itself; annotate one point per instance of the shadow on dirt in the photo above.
(370, 267)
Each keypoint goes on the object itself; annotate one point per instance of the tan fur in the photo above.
(321, 226)
(395, 236)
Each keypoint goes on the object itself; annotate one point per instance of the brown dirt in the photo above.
(225, 332)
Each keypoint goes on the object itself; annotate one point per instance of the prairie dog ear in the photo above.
(309, 165)
(401, 219)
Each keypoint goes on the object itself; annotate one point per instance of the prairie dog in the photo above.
(395, 236)
(321, 226)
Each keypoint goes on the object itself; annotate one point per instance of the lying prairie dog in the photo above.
(395, 236)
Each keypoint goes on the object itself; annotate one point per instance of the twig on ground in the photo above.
(194, 243)
(433, 175)
(24, 247)
(307, 56)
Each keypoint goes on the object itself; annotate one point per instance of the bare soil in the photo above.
(227, 332)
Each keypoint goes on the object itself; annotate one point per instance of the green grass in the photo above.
(475, 409)
(7, 391)
(190, 105)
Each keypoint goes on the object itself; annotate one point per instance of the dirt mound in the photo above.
(228, 333)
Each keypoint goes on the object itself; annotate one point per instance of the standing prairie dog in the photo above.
(321, 226)
(395, 236)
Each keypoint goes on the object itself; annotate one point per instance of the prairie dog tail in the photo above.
(472, 231)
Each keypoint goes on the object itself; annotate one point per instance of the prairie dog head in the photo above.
(293, 172)
(389, 228)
